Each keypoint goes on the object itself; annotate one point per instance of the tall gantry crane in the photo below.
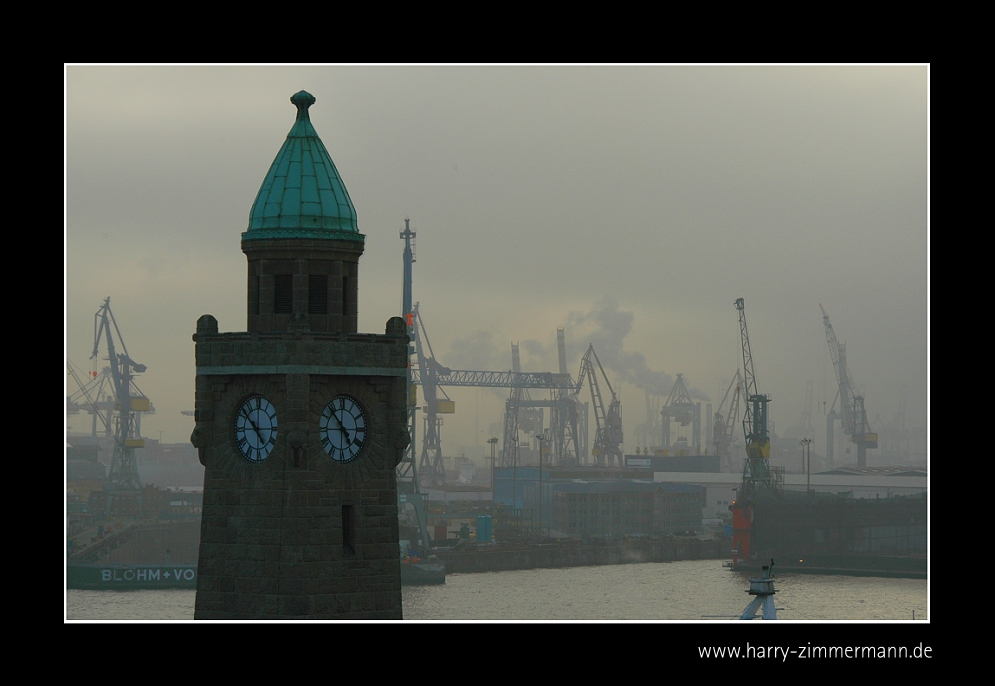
(758, 476)
(648, 433)
(408, 487)
(124, 425)
(407, 468)
(725, 422)
(804, 426)
(123, 473)
(521, 413)
(566, 438)
(852, 413)
(680, 408)
(568, 423)
(430, 370)
(569, 415)
(432, 376)
(757, 472)
(894, 437)
(95, 396)
(425, 371)
(608, 437)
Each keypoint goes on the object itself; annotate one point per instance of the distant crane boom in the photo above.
(608, 438)
(725, 422)
(852, 412)
(680, 408)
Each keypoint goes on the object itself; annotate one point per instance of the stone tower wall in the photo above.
(272, 532)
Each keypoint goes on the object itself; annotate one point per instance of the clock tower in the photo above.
(300, 419)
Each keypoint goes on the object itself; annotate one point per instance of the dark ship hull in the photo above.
(422, 573)
(124, 576)
(830, 534)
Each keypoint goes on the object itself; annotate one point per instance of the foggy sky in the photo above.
(630, 205)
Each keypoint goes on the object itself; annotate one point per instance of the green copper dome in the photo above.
(303, 195)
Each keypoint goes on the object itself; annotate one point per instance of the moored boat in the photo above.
(422, 573)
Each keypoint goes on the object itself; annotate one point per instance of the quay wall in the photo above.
(494, 558)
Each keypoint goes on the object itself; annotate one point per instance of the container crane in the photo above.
(648, 433)
(519, 402)
(566, 438)
(852, 412)
(569, 426)
(680, 408)
(432, 376)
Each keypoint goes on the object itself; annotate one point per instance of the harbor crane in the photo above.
(519, 402)
(648, 433)
(432, 376)
(758, 475)
(804, 425)
(568, 423)
(123, 475)
(757, 472)
(430, 371)
(608, 437)
(566, 437)
(126, 404)
(97, 396)
(93, 396)
(895, 436)
(725, 422)
(852, 414)
(425, 371)
(680, 408)
(409, 491)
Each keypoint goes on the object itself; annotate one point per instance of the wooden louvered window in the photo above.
(283, 293)
(317, 294)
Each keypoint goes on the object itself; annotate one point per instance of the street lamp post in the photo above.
(514, 479)
(807, 456)
(540, 437)
(493, 442)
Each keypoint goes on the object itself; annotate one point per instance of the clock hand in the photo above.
(341, 428)
(254, 427)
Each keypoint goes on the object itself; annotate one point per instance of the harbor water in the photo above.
(697, 590)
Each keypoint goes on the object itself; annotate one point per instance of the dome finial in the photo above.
(302, 100)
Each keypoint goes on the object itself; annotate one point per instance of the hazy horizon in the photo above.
(631, 205)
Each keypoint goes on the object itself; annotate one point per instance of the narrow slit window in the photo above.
(349, 529)
(345, 296)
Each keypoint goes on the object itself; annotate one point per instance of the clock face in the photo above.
(343, 429)
(255, 428)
